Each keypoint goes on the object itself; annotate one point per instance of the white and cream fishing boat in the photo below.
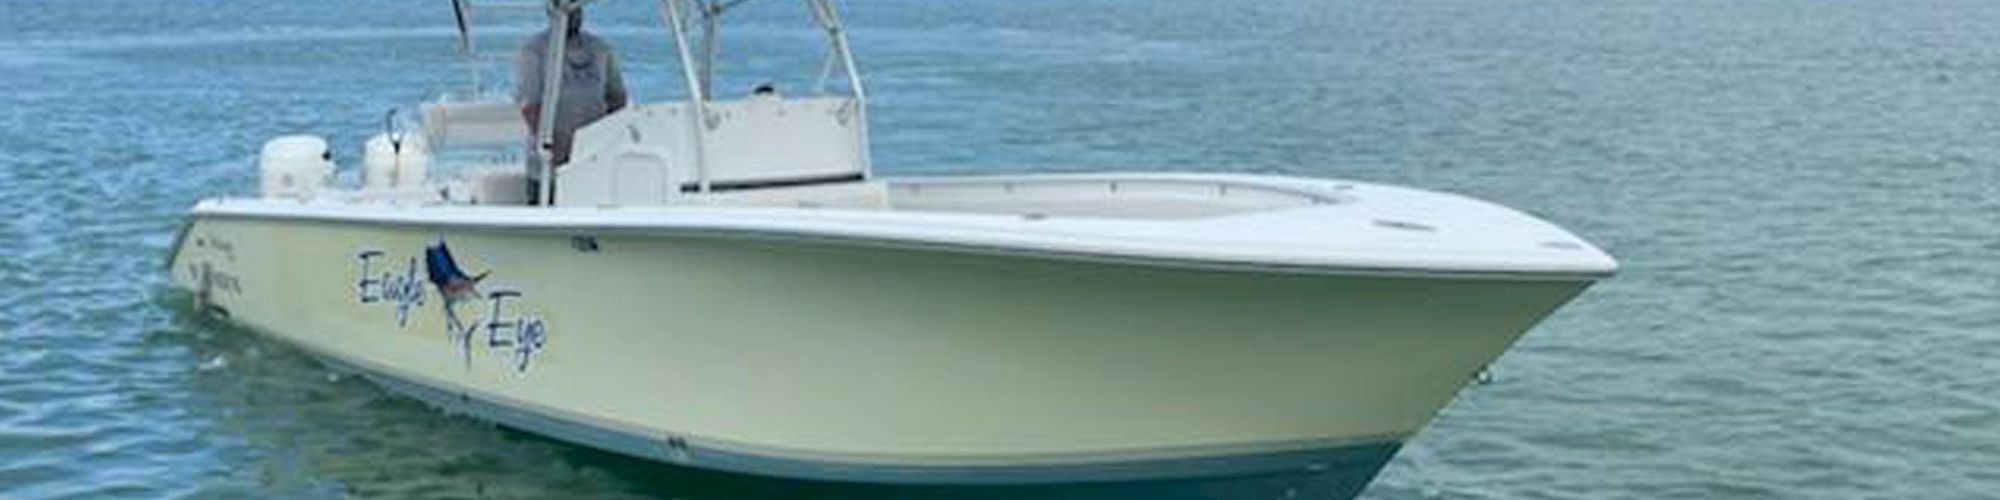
(726, 284)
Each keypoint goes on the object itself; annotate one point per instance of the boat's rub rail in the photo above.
(1308, 226)
(991, 242)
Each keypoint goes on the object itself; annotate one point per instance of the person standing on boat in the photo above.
(592, 87)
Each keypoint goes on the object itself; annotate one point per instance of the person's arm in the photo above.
(614, 80)
(532, 113)
(528, 86)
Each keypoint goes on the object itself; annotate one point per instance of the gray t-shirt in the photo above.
(592, 86)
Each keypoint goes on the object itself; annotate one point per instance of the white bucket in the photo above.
(294, 166)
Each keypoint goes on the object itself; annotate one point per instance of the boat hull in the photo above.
(833, 359)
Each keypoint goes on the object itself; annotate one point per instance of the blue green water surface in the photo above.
(1805, 194)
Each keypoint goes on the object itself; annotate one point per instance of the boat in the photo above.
(726, 283)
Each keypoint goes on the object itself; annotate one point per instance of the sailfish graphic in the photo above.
(451, 281)
(454, 286)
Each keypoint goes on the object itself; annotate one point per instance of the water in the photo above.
(1804, 193)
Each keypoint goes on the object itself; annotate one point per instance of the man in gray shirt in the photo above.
(592, 87)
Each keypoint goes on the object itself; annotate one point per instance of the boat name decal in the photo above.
(498, 327)
(404, 291)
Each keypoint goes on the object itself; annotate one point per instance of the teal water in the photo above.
(1805, 194)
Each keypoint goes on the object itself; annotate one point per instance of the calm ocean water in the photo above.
(1805, 194)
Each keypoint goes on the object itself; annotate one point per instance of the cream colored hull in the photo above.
(853, 360)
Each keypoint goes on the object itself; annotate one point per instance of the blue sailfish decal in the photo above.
(455, 286)
(451, 281)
